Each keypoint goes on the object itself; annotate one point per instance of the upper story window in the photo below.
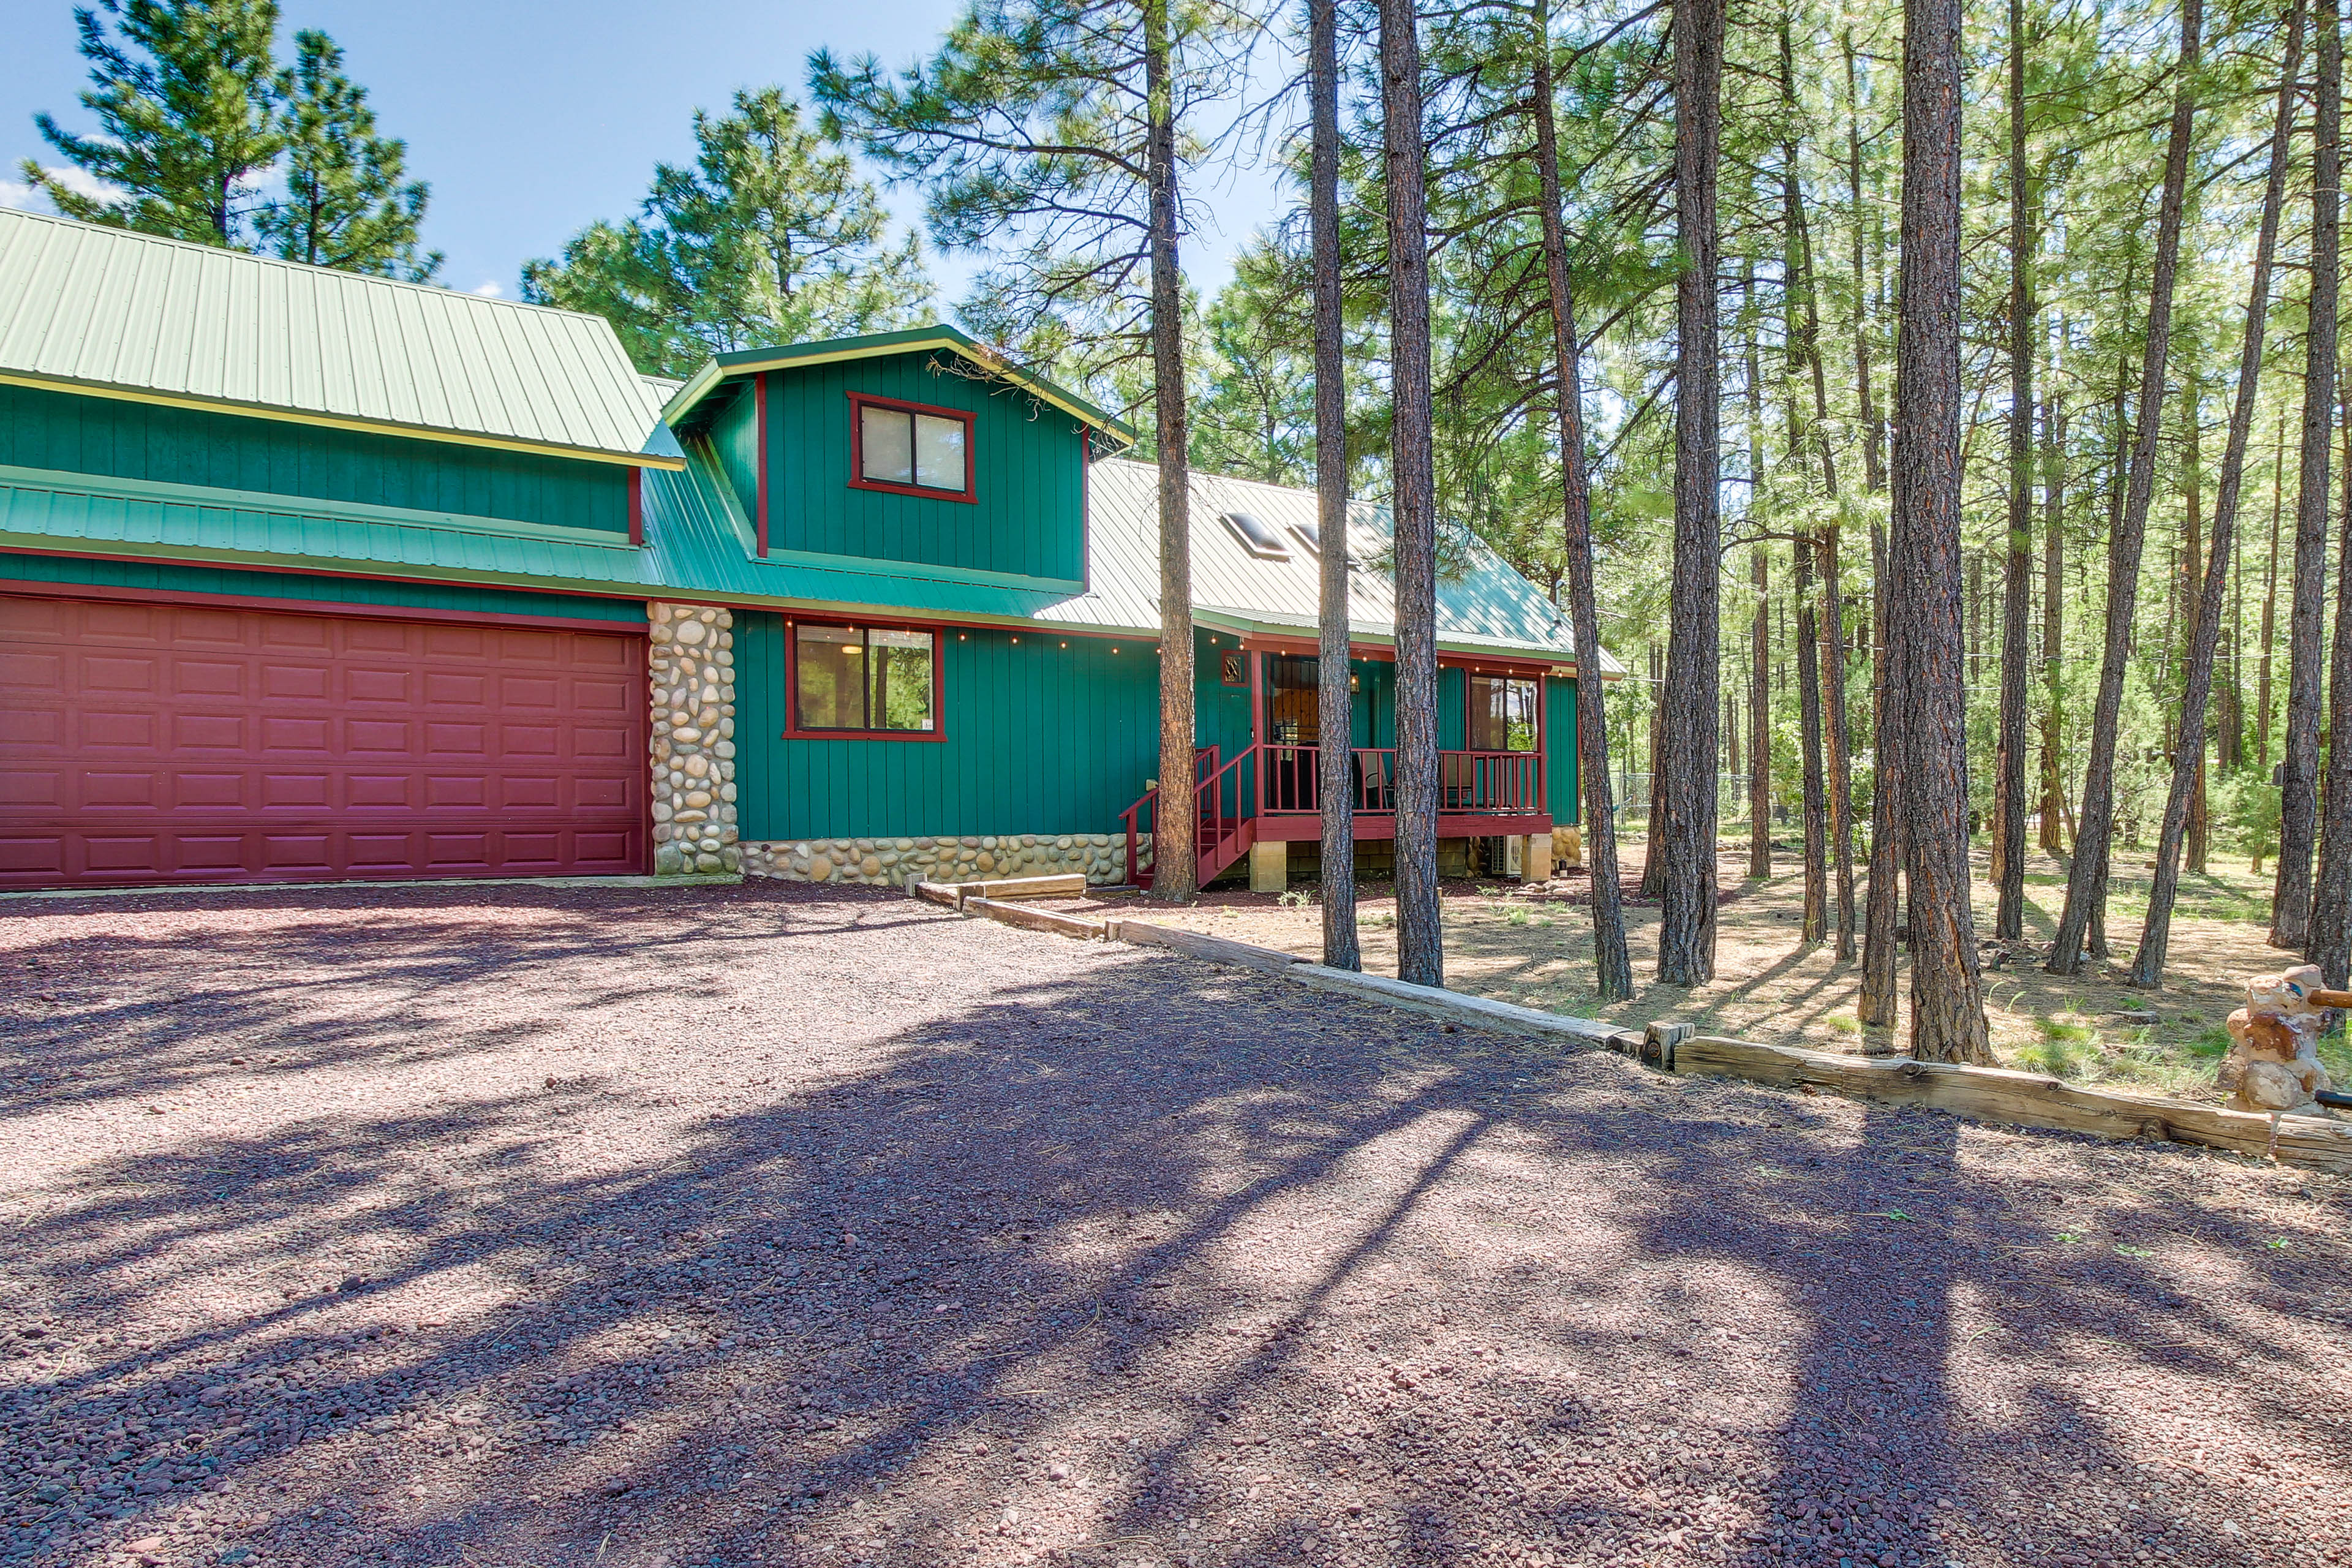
(1502, 714)
(910, 448)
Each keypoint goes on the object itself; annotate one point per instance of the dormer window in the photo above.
(909, 448)
(1256, 536)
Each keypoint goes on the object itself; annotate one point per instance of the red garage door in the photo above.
(146, 742)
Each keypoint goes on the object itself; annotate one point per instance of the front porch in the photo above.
(1267, 789)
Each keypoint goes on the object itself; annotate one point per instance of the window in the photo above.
(1256, 536)
(1310, 534)
(863, 679)
(1502, 713)
(910, 449)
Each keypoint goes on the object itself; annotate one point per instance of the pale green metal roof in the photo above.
(1485, 607)
(909, 340)
(105, 310)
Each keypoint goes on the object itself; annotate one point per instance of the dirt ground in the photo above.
(1536, 950)
(775, 1224)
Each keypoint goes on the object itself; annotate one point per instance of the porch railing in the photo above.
(1485, 784)
(1224, 796)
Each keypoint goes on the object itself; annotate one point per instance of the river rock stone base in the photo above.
(690, 671)
(1100, 857)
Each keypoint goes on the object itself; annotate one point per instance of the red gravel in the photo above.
(677, 1227)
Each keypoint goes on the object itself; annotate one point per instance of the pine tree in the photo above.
(1336, 756)
(347, 204)
(1053, 134)
(184, 92)
(771, 237)
(1683, 844)
(1947, 1018)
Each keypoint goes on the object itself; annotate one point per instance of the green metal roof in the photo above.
(108, 312)
(698, 546)
(911, 340)
(89, 515)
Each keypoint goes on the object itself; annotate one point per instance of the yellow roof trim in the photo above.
(337, 422)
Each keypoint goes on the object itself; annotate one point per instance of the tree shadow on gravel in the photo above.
(1108, 1258)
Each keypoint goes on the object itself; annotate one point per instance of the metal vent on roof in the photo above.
(1256, 536)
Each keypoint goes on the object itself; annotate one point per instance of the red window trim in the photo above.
(1533, 677)
(793, 729)
(859, 401)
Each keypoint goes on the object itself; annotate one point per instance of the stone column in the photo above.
(1269, 866)
(1535, 859)
(690, 671)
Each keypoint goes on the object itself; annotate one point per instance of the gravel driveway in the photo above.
(812, 1226)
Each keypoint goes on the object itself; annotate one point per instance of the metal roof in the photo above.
(105, 310)
(909, 340)
(698, 545)
(1484, 607)
(145, 521)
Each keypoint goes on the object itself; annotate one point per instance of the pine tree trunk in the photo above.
(2299, 777)
(2087, 881)
(1174, 873)
(1804, 317)
(1882, 907)
(1685, 841)
(1335, 780)
(2330, 946)
(2188, 766)
(2008, 758)
(2191, 566)
(1759, 717)
(2269, 608)
(1413, 482)
(1874, 466)
(2053, 620)
(1612, 965)
(1815, 924)
(1947, 1019)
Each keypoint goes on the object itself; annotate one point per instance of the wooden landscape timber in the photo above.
(1453, 1006)
(954, 894)
(2001, 1095)
(1215, 949)
(1028, 919)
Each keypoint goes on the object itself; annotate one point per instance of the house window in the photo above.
(869, 679)
(911, 449)
(1502, 713)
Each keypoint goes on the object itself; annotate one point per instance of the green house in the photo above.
(305, 576)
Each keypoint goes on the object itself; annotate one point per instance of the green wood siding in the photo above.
(1027, 467)
(735, 436)
(1040, 738)
(1559, 749)
(166, 577)
(43, 430)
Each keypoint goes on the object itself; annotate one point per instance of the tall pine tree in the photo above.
(347, 202)
(184, 94)
(771, 237)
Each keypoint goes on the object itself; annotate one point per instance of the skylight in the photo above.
(1256, 536)
(1310, 534)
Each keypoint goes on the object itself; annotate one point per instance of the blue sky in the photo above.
(531, 118)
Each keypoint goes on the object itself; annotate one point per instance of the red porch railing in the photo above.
(1224, 796)
(1269, 780)
(1499, 783)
